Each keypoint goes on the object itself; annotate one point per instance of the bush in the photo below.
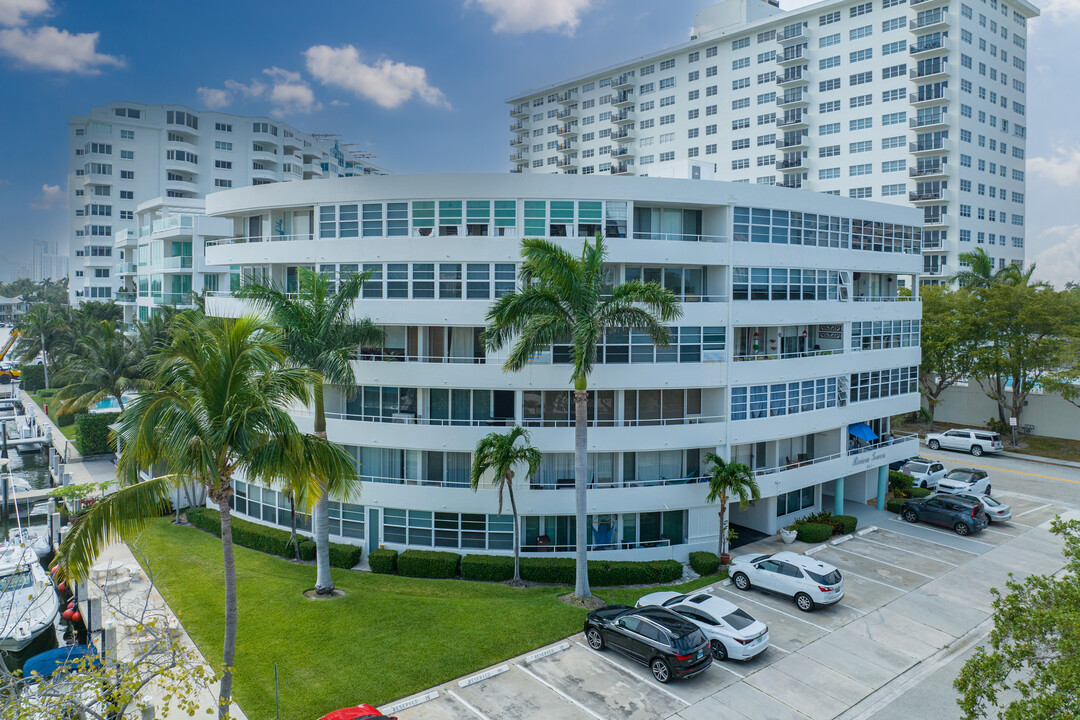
(342, 555)
(428, 564)
(894, 504)
(704, 563)
(383, 561)
(69, 418)
(602, 573)
(245, 534)
(32, 377)
(899, 483)
(812, 532)
(920, 492)
(308, 552)
(92, 434)
(491, 568)
(847, 523)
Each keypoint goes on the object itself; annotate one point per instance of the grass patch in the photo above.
(1057, 448)
(54, 404)
(387, 638)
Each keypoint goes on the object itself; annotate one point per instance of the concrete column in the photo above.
(882, 486)
(838, 499)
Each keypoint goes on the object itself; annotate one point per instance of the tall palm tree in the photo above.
(499, 453)
(322, 335)
(562, 297)
(38, 329)
(218, 410)
(980, 270)
(727, 479)
(105, 363)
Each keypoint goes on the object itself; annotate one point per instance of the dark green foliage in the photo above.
(491, 568)
(810, 532)
(245, 534)
(32, 377)
(899, 482)
(601, 572)
(307, 550)
(428, 564)
(383, 561)
(921, 492)
(847, 523)
(704, 563)
(344, 555)
(69, 418)
(92, 434)
(894, 504)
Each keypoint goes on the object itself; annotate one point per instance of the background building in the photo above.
(124, 154)
(917, 103)
(793, 337)
(49, 261)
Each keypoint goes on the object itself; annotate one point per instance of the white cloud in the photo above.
(214, 98)
(48, 48)
(50, 197)
(388, 83)
(15, 13)
(339, 103)
(1063, 168)
(254, 89)
(290, 95)
(522, 16)
(1060, 262)
(1059, 11)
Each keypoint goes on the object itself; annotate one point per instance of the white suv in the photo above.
(976, 442)
(923, 473)
(809, 581)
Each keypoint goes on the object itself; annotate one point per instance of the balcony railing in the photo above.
(926, 195)
(928, 171)
(884, 298)
(785, 355)
(399, 355)
(411, 419)
(259, 238)
(125, 297)
(179, 262)
(790, 164)
(798, 463)
(682, 237)
(172, 299)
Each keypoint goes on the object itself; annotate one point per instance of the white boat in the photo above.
(35, 538)
(28, 602)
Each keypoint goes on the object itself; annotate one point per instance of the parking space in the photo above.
(513, 695)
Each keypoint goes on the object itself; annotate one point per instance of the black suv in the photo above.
(670, 645)
(964, 516)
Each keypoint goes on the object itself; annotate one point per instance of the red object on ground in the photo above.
(354, 713)
(76, 616)
(61, 587)
(67, 614)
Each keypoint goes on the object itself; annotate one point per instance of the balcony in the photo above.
(927, 4)
(623, 153)
(933, 21)
(623, 98)
(793, 101)
(928, 99)
(567, 129)
(936, 221)
(173, 299)
(799, 121)
(789, 79)
(519, 141)
(519, 157)
(934, 73)
(923, 196)
(941, 145)
(519, 127)
(790, 59)
(623, 81)
(125, 298)
(520, 111)
(566, 146)
(936, 271)
(621, 169)
(930, 48)
(567, 162)
(125, 269)
(624, 116)
(568, 113)
(178, 262)
(800, 143)
(793, 34)
(567, 97)
(791, 165)
(936, 121)
(928, 172)
(624, 134)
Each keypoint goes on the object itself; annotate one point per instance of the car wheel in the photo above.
(976, 450)
(923, 484)
(595, 639)
(660, 670)
(933, 445)
(805, 602)
(987, 490)
(962, 529)
(719, 652)
(911, 516)
(741, 581)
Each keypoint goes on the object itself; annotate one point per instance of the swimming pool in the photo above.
(111, 403)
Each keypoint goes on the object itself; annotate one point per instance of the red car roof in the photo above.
(358, 712)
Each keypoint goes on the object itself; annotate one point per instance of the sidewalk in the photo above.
(1023, 457)
(60, 441)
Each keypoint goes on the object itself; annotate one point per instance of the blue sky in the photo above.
(420, 83)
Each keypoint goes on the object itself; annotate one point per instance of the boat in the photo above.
(28, 601)
(63, 659)
(35, 538)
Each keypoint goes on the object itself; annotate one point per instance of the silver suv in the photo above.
(975, 442)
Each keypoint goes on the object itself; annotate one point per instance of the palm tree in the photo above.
(37, 330)
(727, 479)
(562, 298)
(321, 335)
(498, 453)
(105, 363)
(218, 410)
(980, 270)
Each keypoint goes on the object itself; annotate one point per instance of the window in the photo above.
(860, 55)
(829, 129)
(735, 45)
(861, 124)
(222, 183)
(897, 118)
(860, 78)
(829, 19)
(740, 63)
(889, 166)
(863, 9)
(828, 107)
(861, 192)
(860, 32)
(222, 145)
(862, 169)
(829, 62)
(828, 174)
(894, 47)
(862, 146)
(826, 85)
(893, 71)
(828, 151)
(860, 100)
(829, 40)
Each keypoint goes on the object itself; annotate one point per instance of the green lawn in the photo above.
(387, 638)
(68, 431)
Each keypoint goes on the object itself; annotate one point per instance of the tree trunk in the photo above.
(292, 521)
(517, 545)
(720, 536)
(723, 530)
(324, 583)
(581, 470)
(229, 653)
(45, 362)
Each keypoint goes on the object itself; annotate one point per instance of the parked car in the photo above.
(669, 644)
(965, 480)
(733, 633)
(924, 473)
(975, 442)
(359, 712)
(899, 464)
(810, 582)
(996, 511)
(964, 516)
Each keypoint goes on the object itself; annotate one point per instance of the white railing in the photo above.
(399, 355)
(786, 355)
(797, 464)
(885, 298)
(537, 484)
(410, 419)
(686, 420)
(896, 440)
(242, 239)
(679, 237)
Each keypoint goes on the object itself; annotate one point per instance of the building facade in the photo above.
(49, 261)
(793, 336)
(913, 102)
(124, 154)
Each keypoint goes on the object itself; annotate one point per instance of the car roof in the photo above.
(667, 619)
(711, 604)
(957, 498)
(807, 563)
(973, 471)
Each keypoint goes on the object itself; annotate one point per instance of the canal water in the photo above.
(32, 467)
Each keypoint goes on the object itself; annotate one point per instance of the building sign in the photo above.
(868, 458)
(830, 332)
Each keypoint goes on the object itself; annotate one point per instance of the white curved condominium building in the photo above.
(791, 334)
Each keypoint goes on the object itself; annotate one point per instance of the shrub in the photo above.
(428, 564)
(245, 534)
(69, 418)
(344, 555)
(704, 563)
(92, 434)
(899, 482)
(308, 552)
(32, 377)
(847, 523)
(548, 570)
(920, 492)
(810, 532)
(492, 568)
(894, 504)
(383, 561)
(602, 573)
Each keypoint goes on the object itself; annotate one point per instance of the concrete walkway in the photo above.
(63, 445)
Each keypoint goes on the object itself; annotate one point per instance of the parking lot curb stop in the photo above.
(544, 653)
(813, 550)
(411, 702)
(841, 539)
(867, 530)
(483, 676)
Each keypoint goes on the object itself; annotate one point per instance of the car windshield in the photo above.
(830, 578)
(16, 581)
(738, 619)
(674, 601)
(991, 501)
(963, 476)
(916, 467)
(686, 643)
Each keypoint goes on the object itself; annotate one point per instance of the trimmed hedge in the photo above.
(602, 573)
(894, 504)
(489, 568)
(69, 418)
(704, 563)
(898, 481)
(428, 564)
(92, 434)
(32, 377)
(921, 492)
(342, 555)
(811, 532)
(383, 561)
(845, 523)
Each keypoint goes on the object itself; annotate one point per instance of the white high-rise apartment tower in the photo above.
(916, 102)
(124, 154)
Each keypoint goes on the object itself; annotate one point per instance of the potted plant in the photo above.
(788, 534)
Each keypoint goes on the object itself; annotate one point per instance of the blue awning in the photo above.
(862, 431)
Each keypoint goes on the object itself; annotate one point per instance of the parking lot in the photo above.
(910, 591)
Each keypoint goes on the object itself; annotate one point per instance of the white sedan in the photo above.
(996, 511)
(733, 632)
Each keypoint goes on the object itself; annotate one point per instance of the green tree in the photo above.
(979, 272)
(1032, 652)
(728, 480)
(950, 335)
(105, 363)
(562, 298)
(38, 329)
(218, 409)
(498, 454)
(321, 334)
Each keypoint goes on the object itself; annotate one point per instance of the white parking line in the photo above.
(659, 687)
(867, 557)
(911, 552)
(723, 666)
(1026, 512)
(935, 542)
(770, 607)
(945, 532)
(559, 692)
(870, 579)
(467, 704)
(777, 647)
(852, 607)
(997, 532)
